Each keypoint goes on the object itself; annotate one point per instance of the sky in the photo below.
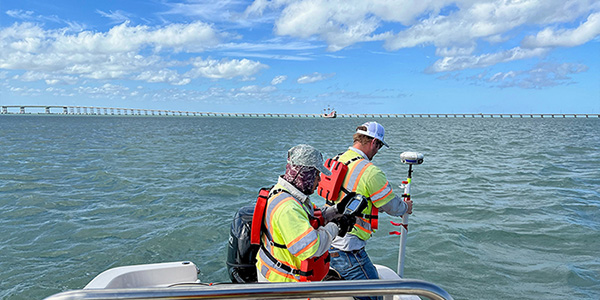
(304, 56)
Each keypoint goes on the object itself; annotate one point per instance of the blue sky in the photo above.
(280, 56)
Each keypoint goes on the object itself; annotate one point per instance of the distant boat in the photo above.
(329, 113)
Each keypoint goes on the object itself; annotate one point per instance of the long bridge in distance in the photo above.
(107, 111)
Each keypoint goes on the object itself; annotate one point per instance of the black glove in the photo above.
(345, 223)
(341, 206)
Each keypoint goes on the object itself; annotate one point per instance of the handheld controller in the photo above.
(356, 205)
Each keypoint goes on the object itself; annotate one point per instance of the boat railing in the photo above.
(324, 289)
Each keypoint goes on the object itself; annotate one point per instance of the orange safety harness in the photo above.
(312, 269)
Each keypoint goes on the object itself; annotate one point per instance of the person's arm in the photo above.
(396, 207)
(326, 235)
(383, 197)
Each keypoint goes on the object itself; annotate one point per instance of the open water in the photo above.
(504, 208)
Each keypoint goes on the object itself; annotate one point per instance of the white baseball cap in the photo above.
(374, 130)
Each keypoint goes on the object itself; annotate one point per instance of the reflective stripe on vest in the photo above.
(354, 173)
(382, 193)
(363, 228)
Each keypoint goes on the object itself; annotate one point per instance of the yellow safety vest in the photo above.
(368, 180)
(287, 222)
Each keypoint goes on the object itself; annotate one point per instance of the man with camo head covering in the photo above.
(294, 246)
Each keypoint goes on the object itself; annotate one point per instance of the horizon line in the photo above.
(107, 111)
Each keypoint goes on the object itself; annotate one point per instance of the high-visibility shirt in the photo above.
(364, 178)
(288, 224)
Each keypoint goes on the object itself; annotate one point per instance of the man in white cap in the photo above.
(295, 242)
(348, 255)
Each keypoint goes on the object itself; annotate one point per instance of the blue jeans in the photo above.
(354, 265)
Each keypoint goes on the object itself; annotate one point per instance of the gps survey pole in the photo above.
(409, 158)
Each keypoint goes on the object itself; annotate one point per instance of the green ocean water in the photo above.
(503, 208)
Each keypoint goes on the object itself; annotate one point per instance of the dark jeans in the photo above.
(354, 265)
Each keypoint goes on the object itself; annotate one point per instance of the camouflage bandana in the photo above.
(302, 177)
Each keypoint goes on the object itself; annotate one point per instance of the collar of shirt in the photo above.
(359, 152)
(293, 190)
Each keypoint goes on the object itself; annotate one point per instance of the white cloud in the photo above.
(455, 51)
(566, 37)
(340, 23)
(254, 89)
(225, 68)
(165, 75)
(96, 55)
(470, 22)
(30, 16)
(57, 56)
(455, 27)
(20, 14)
(194, 37)
(541, 76)
(314, 77)
(500, 76)
(117, 16)
(456, 63)
(278, 79)
(50, 79)
(258, 7)
(23, 91)
(106, 90)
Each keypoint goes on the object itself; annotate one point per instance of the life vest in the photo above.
(332, 186)
(259, 214)
(312, 269)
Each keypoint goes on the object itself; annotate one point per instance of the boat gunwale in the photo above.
(322, 289)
